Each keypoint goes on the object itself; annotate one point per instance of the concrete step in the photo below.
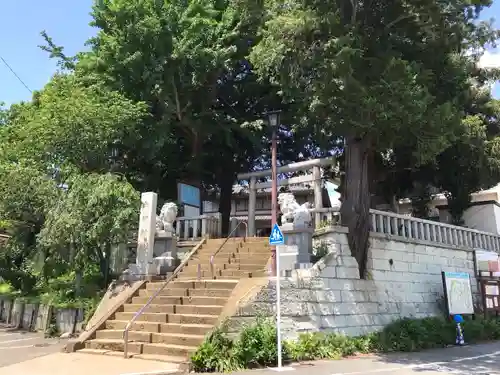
(93, 351)
(159, 300)
(226, 252)
(136, 326)
(231, 258)
(193, 274)
(152, 308)
(144, 317)
(148, 328)
(220, 241)
(198, 309)
(193, 319)
(170, 318)
(205, 268)
(169, 300)
(211, 292)
(239, 273)
(115, 345)
(117, 334)
(242, 252)
(169, 349)
(188, 329)
(166, 358)
(176, 309)
(165, 292)
(229, 274)
(232, 275)
(177, 339)
(261, 260)
(188, 292)
(207, 284)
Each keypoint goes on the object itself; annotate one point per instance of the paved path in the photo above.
(21, 353)
(470, 360)
(19, 346)
(28, 353)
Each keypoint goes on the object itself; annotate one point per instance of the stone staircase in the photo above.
(177, 320)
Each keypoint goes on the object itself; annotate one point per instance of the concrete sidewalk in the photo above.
(483, 359)
(88, 364)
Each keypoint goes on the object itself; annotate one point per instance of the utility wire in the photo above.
(15, 74)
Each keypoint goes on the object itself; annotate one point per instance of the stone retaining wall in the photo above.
(37, 317)
(404, 281)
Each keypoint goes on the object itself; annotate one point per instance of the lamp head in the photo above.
(273, 118)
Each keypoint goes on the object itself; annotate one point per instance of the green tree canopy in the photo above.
(95, 214)
(380, 74)
(68, 123)
(26, 196)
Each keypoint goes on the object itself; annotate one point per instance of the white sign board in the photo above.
(458, 292)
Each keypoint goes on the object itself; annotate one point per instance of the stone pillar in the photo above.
(233, 222)
(146, 238)
(298, 246)
(318, 195)
(252, 203)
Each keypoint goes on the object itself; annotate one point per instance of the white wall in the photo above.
(331, 297)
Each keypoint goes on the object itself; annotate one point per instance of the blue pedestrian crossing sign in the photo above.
(276, 237)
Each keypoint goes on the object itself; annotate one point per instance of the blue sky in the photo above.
(21, 22)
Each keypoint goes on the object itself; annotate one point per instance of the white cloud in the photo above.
(490, 60)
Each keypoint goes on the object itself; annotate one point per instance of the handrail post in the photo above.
(212, 265)
(125, 343)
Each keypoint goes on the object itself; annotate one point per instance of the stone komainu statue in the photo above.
(292, 212)
(168, 214)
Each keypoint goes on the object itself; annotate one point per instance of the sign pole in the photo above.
(278, 307)
(277, 239)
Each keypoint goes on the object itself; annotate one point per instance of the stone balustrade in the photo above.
(412, 228)
(327, 216)
(198, 226)
(426, 230)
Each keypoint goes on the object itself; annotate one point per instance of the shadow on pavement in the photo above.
(482, 359)
(9, 329)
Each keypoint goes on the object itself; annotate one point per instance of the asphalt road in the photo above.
(20, 346)
(481, 359)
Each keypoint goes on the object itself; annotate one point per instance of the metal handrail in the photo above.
(227, 239)
(141, 310)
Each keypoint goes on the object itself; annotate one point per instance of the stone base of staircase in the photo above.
(187, 308)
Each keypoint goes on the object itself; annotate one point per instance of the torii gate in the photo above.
(314, 178)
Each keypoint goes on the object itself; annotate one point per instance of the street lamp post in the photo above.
(274, 122)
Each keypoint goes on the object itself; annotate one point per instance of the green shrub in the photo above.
(312, 346)
(256, 344)
(408, 335)
(6, 290)
(215, 354)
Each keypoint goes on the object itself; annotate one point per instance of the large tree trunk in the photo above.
(226, 192)
(355, 210)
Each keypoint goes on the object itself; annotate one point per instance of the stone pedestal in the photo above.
(166, 257)
(298, 246)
